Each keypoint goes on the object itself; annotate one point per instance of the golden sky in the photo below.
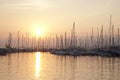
(56, 16)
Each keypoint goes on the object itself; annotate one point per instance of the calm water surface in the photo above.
(45, 66)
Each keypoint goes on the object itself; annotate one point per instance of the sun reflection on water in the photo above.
(37, 64)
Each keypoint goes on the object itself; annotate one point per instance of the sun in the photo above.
(38, 32)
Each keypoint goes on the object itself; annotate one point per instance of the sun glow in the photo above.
(38, 30)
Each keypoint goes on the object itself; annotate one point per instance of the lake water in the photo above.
(45, 66)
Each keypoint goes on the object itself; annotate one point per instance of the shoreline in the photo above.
(74, 52)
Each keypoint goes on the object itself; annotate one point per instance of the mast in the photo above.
(57, 42)
(98, 38)
(73, 38)
(38, 42)
(80, 46)
(43, 43)
(102, 39)
(118, 38)
(9, 43)
(32, 39)
(92, 39)
(65, 40)
(106, 40)
(22, 41)
(112, 35)
(53, 43)
(18, 40)
(110, 31)
(86, 42)
(28, 40)
(61, 42)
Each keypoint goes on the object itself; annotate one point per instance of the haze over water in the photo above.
(56, 16)
(45, 66)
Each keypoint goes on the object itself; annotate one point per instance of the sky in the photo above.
(56, 16)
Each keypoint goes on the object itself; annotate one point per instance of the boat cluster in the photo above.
(4, 51)
(91, 52)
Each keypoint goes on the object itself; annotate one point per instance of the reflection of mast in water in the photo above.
(18, 62)
(118, 68)
(9, 64)
(109, 68)
(65, 68)
(61, 67)
(112, 68)
(73, 67)
(98, 67)
(102, 68)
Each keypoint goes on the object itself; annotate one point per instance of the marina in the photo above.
(103, 44)
(59, 39)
